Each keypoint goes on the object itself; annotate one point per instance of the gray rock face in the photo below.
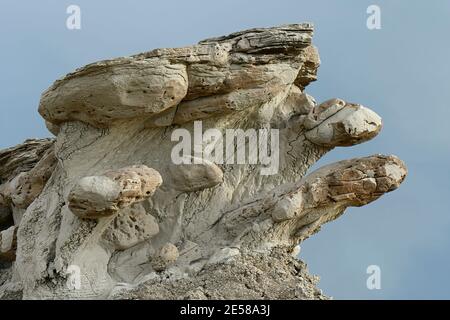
(104, 205)
(8, 244)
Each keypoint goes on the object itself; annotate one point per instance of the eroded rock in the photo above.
(113, 90)
(101, 196)
(337, 123)
(219, 75)
(8, 244)
(197, 174)
(22, 158)
(132, 225)
(212, 230)
(166, 256)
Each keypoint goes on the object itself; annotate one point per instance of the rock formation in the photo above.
(102, 211)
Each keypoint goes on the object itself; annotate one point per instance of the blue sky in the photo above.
(401, 71)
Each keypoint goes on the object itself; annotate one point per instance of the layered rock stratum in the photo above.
(102, 211)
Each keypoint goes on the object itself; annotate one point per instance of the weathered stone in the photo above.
(211, 230)
(30, 184)
(131, 226)
(199, 174)
(166, 256)
(22, 158)
(101, 196)
(287, 207)
(113, 90)
(53, 128)
(219, 75)
(8, 244)
(328, 191)
(23, 175)
(337, 123)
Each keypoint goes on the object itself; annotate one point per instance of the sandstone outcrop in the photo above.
(105, 195)
(131, 226)
(105, 202)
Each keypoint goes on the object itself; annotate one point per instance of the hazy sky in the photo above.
(401, 71)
